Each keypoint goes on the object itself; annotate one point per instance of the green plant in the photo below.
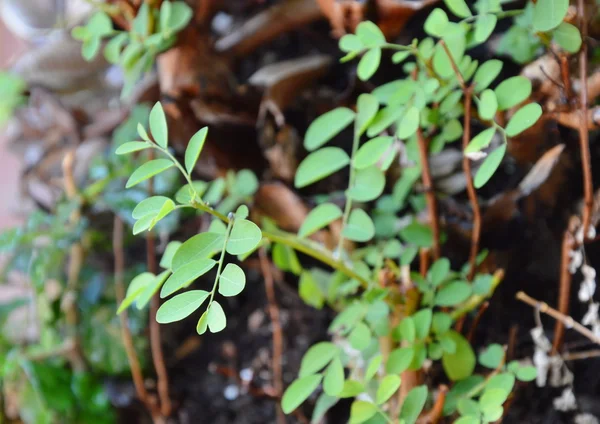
(11, 93)
(152, 31)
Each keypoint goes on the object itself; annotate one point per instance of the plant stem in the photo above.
(466, 164)
(220, 263)
(429, 193)
(134, 363)
(282, 237)
(277, 333)
(351, 178)
(476, 299)
(155, 338)
(566, 320)
(564, 293)
(583, 124)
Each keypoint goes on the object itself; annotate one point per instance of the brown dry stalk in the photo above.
(568, 321)
(576, 356)
(265, 266)
(476, 320)
(76, 256)
(584, 141)
(466, 164)
(564, 293)
(155, 339)
(435, 414)
(429, 193)
(134, 363)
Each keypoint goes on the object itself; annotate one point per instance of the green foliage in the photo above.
(152, 31)
(11, 95)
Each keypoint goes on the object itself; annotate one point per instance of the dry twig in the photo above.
(277, 334)
(564, 290)
(567, 321)
(134, 363)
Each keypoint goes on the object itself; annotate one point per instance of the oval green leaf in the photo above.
(180, 306)
(523, 119)
(319, 165)
(194, 148)
(245, 236)
(548, 14)
(185, 275)
(232, 280)
(489, 166)
(299, 391)
(371, 152)
(148, 170)
(318, 218)
(368, 184)
(158, 125)
(359, 227)
(512, 91)
(327, 126)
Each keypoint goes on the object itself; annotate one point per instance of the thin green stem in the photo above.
(221, 260)
(287, 239)
(351, 179)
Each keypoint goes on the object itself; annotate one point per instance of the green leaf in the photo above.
(299, 391)
(459, 8)
(149, 206)
(468, 406)
(318, 218)
(488, 105)
(384, 119)
(167, 257)
(242, 212)
(327, 126)
(399, 360)
(407, 329)
(200, 246)
(352, 388)
(373, 367)
(436, 22)
(135, 288)
(512, 91)
(452, 130)
(486, 73)
(489, 166)
(309, 290)
(492, 398)
(151, 289)
(368, 184)
(413, 405)
(179, 16)
(481, 141)
(468, 419)
(527, 373)
(192, 152)
(148, 170)
(460, 364)
(567, 36)
(417, 234)
(368, 64)
(389, 385)
(232, 280)
(246, 183)
(323, 404)
(351, 43)
(167, 208)
(90, 48)
(455, 40)
(453, 294)
(360, 227)
(142, 132)
(422, 320)
(319, 165)
(504, 381)
(523, 119)
(361, 411)
(409, 123)
(216, 319)
(158, 125)
(482, 284)
(245, 236)
(142, 224)
(142, 20)
(399, 57)
(371, 152)
(493, 413)
(185, 275)
(548, 14)
(484, 26)
(360, 336)
(438, 271)
(333, 381)
(366, 106)
(317, 357)
(130, 147)
(441, 322)
(370, 34)
(180, 306)
(492, 356)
